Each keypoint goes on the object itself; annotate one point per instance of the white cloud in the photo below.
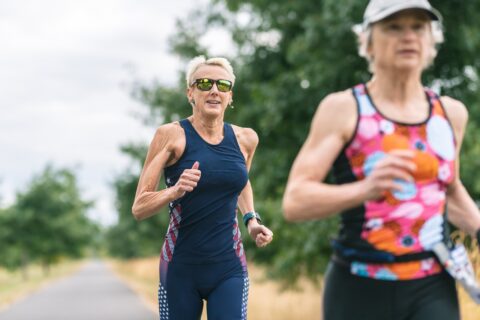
(63, 64)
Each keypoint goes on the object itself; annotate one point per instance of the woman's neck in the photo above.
(399, 89)
(210, 128)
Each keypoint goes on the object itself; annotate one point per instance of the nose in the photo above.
(409, 34)
(214, 88)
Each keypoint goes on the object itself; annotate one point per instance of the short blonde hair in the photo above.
(364, 39)
(199, 61)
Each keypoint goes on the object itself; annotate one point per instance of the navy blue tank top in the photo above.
(203, 225)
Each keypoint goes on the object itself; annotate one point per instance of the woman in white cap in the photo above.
(394, 154)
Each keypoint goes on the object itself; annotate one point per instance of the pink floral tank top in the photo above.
(404, 223)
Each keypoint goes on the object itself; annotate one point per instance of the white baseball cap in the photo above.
(380, 9)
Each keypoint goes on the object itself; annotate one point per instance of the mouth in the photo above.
(213, 102)
(407, 51)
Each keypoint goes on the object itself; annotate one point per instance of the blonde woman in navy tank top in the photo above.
(205, 162)
(394, 153)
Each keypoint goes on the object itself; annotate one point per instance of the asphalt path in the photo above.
(92, 293)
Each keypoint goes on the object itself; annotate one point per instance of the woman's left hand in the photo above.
(261, 234)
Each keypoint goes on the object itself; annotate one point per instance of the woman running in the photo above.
(205, 162)
(393, 146)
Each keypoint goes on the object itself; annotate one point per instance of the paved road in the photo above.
(93, 293)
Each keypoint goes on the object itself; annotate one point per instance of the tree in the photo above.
(129, 238)
(11, 256)
(288, 56)
(47, 221)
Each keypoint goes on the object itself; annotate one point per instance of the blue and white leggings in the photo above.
(183, 287)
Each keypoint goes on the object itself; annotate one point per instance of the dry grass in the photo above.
(268, 301)
(13, 287)
(468, 308)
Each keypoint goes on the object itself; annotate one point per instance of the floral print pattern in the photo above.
(410, 220)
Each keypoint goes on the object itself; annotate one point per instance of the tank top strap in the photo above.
(435, 103)
(432, 96)
(231, 137)
(228, 132)
(193, 139)
(186, 125)
(364, 103)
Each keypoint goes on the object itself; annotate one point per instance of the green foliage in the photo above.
(130, 238)
(47, 221)
(10, 253)
(288, 56)
(296, 249)
(458, 65)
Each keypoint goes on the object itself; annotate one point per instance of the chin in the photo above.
(409, 66)
(214, 112)
(411, 62)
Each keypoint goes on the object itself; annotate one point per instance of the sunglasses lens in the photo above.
(224, 85)
(204, 84)
(207, 84)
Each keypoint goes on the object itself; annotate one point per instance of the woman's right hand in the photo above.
(394, 166)
(187, 182)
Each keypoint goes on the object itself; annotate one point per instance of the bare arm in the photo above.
(307, 196)
(462, 210)
(163, 151)
(248, 141)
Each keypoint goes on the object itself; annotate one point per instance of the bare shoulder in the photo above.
(341, 99)
(338, 103)
(169, 137)
(456, 111)
(168, 132)
(336, 113)
(246, 137)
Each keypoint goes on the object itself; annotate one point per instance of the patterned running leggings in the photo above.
(184, 287)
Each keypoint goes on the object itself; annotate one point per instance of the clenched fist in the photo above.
(188, 181)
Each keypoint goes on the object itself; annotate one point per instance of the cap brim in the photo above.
(432, 12)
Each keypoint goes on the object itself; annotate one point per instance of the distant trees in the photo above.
(130, 238)
(47, 221)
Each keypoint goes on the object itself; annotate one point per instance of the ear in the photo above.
(370, 56)
(369, 44)
(189, 93)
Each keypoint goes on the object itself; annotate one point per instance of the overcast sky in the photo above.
(65, 71)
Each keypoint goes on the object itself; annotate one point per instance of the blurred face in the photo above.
(403, 41)
(212, 102)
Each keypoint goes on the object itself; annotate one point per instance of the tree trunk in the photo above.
(24, 266)
(46, 269)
